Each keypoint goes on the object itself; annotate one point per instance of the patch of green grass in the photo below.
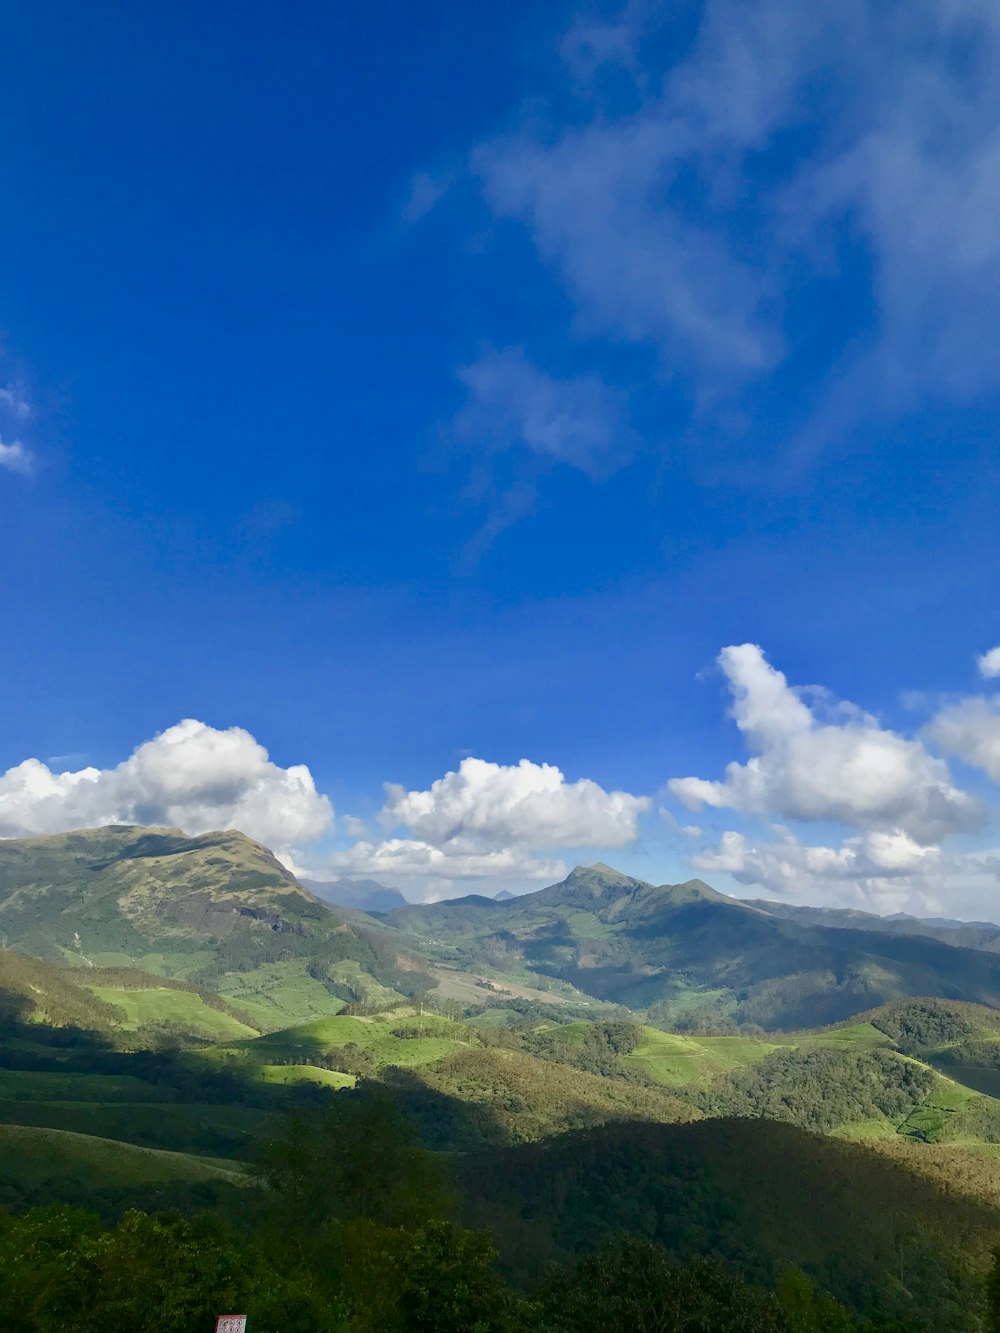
(285, 1074)
(184, 1008)
(925, 1123)
(278, 995)
(26, 1085)
(364, 989)
(306, 1042)
(570, 1034)
(852, 1035)
(675, 1059)
(29, 1156)
(219, 1131)
(948, 1096)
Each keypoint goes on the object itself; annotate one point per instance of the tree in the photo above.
(637, 1287)
(60, 1268)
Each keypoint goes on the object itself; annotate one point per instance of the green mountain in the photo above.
(218, 908)
(687, 954)
(133, 891)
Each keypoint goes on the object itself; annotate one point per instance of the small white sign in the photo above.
(231, 1323)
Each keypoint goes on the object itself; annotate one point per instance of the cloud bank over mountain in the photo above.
(192, 775)
(489, 819)
(816, 761)
(831, 804)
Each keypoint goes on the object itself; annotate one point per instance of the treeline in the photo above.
(30, 988)
(354, 1233)
(760, 1196)
(599, 1048)
(818, 1088)
(925, 1024)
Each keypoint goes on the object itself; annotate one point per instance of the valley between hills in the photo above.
(778, 1118)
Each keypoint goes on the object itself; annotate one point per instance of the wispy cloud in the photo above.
(578, 421)
(713, 208)
(15, 402)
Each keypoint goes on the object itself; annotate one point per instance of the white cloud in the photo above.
(15, 402)
(989, 664)
(191, 775)
(16, 457)
(884, 871)
(637, 271)
(529, 804)
(410, 858)
(578, 421)
(850, 772)
(970, 729)
(495, 821)
(693, 209)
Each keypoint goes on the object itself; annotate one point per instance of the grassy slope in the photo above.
(674, 1059)
(30, 1155)
(184, 1008)
(306, 1042)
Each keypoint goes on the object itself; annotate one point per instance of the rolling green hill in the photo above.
(686, 954)
(31, 1155)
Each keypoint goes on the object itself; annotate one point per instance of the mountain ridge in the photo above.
(687, 950)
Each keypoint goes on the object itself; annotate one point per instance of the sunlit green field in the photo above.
(156, 1005)
(675, 1059)
(427, 1038)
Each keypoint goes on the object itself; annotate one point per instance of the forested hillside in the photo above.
(688, 955)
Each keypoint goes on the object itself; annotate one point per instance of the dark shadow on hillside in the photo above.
(442, 1122)
(757, 1194)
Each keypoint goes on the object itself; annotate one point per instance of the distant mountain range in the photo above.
(365, 895)
(691, 955)
(971, 934)
(219, 906)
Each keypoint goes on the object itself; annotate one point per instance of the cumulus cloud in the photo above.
(496, 804)
(656, 199)
(191, 775)
(578, 421)
(494, 820)
(410, 858)
(887, 867)
(989, 664)
(970, 729)
(849, 771)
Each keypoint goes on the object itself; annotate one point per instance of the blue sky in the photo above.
(404, 389)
